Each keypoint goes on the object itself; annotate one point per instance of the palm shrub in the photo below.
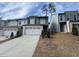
(48, 34)
(19, 32)
(74, 30)
(12, 36)
(43, 33)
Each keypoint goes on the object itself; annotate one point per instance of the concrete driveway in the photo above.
(2, 38)
(19, 47)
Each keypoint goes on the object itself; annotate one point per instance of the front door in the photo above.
(62, 27)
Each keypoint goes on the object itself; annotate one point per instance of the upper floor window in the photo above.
(74, 17)
(28, 21)
(67, 17)
(19, 22)
(24, 21)
(61, 18)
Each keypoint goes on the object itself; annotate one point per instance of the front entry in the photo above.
(63, 27)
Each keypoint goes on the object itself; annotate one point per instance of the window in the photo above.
(74, 17)
(28, 21)
(67, 17)
(37, 21)
(61, 18)
(19, 22)
(24, 21)
(32, 20)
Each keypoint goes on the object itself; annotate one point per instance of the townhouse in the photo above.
(63, 22)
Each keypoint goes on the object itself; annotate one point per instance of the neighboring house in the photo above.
(8, 30)
(25, 21)
(15, 22)
(35, 25)
(12, 25)
(38, 20)
(63, 22)
(32, 29)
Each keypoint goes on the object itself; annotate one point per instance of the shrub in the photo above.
(45, 33)
(74, 30)
(19, 32)
(12, 35)
(52, 32)
(48, 34)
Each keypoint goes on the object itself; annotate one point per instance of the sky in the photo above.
(12, 10)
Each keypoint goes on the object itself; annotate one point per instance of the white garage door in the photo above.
(8, 33)
(1, 32)
(32, 30)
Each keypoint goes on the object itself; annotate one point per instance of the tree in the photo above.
(52, 9)
(49, 8)
(45, 9)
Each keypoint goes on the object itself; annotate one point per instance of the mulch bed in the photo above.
(44, 47)
(59, 45)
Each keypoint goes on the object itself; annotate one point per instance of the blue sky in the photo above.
(12, 10)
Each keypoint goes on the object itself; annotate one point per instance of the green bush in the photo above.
(19, 32)
(74, 30)
(45, 33)
(12, 36)
(48, 34)
(52, 32)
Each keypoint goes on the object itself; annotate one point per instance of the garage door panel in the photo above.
(8, 33)
(1, 32)
(33, 30)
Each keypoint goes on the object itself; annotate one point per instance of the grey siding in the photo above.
(70, 15)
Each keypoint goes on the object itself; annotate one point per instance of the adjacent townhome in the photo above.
(30, 25)
(25, 21)
(63, 22)
(35, 25)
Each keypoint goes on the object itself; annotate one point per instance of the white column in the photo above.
(68, 30)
